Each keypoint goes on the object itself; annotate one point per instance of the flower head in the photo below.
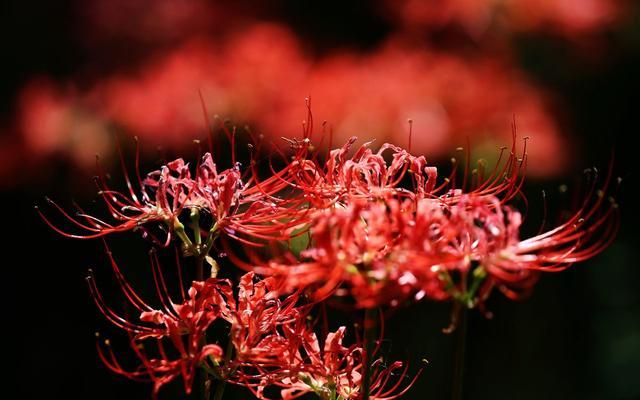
(335, 371)
(236, 204)
(458, 245)
(368, 175)
(180, 326)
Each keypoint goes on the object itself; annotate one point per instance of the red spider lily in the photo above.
(364, 248)
(382, 252)
(156, 104)
(516, 265)
(270, 342)
(182, 325)
(333, 371)
(257, 321)
(258, 313)
(273, 344)
(366, 174)
(481, 18)
(160, 369)
(242, 207)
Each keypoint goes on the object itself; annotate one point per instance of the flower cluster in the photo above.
(480, 18)
(236, 205)
(270, 343)
(382, 253)
(182, 325)
(383, 230)
(450, 93)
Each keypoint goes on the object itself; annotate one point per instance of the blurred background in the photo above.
(79, 71)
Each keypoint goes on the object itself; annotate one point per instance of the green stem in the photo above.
(195, 225)
(479, 274)
(220, 390)
(178, 228)
(369, 339)
(458, 366)
(223, 382)
(213, 234)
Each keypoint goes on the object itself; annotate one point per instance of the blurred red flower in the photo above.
(261, 74)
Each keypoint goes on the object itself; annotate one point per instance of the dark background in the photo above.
(578, 336)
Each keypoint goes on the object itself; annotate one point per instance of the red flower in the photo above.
(258, 314)
(381, 252)
(364, 175)
(335, 371)
(242, 207)
(366, 249)
(274, 345)
(515, 267)
(181, 325)
(367, 175)
(160, 369)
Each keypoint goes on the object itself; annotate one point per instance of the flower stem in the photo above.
(199, 269)
(220, 390)
(202, 384)
(205, 378)
(206, 387)
(195, 225)
(458, 366)
(369, 339)
(223, 382)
